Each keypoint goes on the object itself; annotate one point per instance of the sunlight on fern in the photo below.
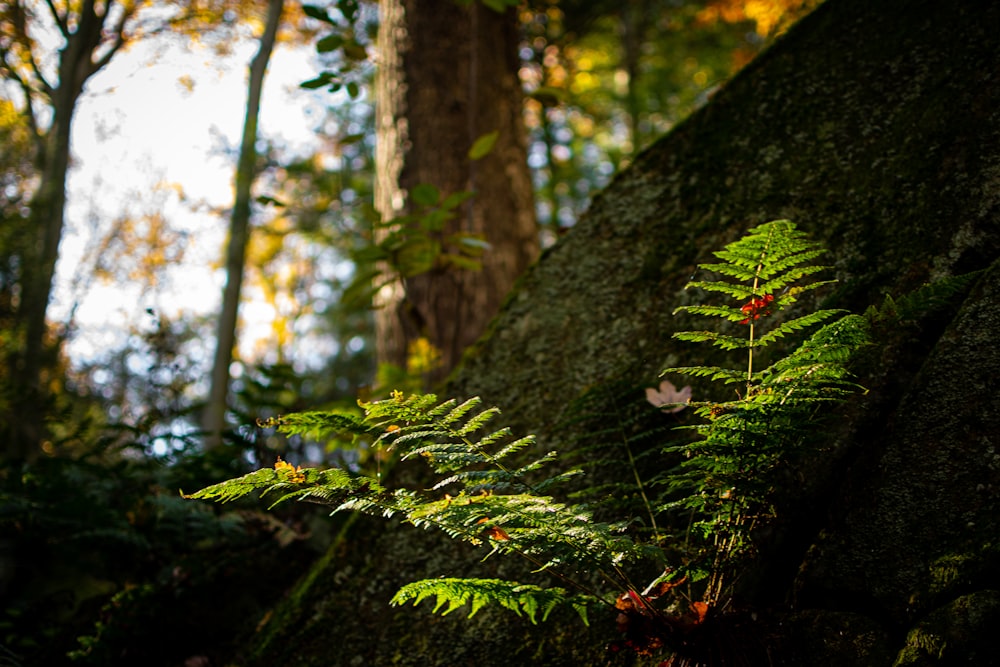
(691, 523)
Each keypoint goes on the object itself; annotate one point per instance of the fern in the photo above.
(929, 298)
(727, 477)
(482, 496)
(768, 270)
(486, 493)
(523, 599)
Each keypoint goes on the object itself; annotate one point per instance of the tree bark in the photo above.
(448, 75)
(214, 419)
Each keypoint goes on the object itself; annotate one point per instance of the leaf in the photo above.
(350, 139)
(483, 145)
(266, 200)
(668, 397)
(349, 8)
(425, 194)
(453, 200)
(434, 221)
(320, 81)
(463, 263)
(355, 51)
(330, 43)
(353, 89)
(318, 13)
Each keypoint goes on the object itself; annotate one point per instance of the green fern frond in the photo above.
(792, 326)
(523, 599)
(317, 424)
(721, 341)
(726, 375)
(477, 422)
(737, 291)
(723, 312)
(940, 294)
(510, 448)
(454, 414)
(766, 253)
(240, 487)
(725, 478)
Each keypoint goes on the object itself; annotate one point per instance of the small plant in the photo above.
(727, 475)
(480, 497)
(722, 489)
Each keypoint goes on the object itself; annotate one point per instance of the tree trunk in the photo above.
(447, 76)
(875, 127)
(47, 218)
(214, 420)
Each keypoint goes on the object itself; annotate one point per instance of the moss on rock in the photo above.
(962, 632)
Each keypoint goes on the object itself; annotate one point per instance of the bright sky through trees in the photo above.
(152, 135)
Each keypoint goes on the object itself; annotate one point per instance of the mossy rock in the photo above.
(962, 632)
(822, 638)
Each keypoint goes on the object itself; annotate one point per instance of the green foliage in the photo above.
(490, 488)
(768, 269)
(522, 599)
(935, 296)
(109, 560)
(727, 477)
(417, 243)
(479, 497)
(344, 47)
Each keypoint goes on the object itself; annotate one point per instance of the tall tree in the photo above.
(49, 86)
(447, 76)
(92, 33)
(239, 229)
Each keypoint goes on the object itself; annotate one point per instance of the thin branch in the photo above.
(60, 20)
(29, 108)
(22, 39)
(120, 39)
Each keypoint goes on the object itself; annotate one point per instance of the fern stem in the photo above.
(635, 473)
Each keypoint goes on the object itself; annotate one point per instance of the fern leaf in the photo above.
(320, 423)
(512, 447)
(935, 295)
(527, 600)
(727, 375)
(794, 325)
(724, 312)
(735, 290)
(234, 489)
(722, 341)
(456, 413)
(477, 422)
(493, 438)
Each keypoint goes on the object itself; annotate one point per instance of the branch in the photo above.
(60, 20)
(20, 38)
(120, 39)
(29, 110)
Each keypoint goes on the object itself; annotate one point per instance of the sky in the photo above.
(151, 125)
